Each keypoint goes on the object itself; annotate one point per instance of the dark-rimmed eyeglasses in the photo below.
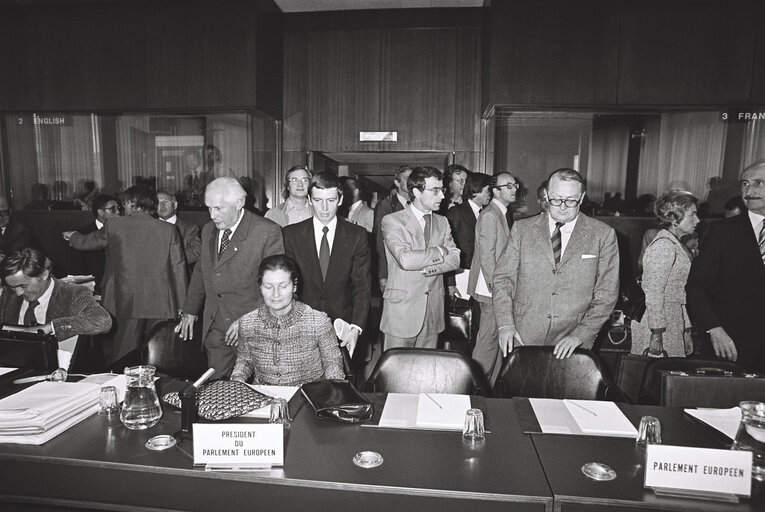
(509, 186)
(436, 190)
(570, 203)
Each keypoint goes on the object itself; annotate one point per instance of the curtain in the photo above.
(691, 149)
(753, 149)
(607, 170)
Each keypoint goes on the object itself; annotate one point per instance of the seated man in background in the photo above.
(44, 303)
(167, 210)
(105, 207)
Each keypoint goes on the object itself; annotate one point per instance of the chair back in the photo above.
(535, 372)
(422, 370)
(650, 389)
(173, 356)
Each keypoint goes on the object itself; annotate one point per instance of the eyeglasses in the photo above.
(752, 183)
(295, 181)
(509, 186)
(570, 203)
(436, 190)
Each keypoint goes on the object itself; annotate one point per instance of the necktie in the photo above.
(426, 217)
(324, 253)
(556, 241)
(29, 317)
(224, 242)
(761, 241)
(509, 218)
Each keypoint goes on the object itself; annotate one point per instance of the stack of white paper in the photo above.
(41, 412)
(431, 411)
(587, 417)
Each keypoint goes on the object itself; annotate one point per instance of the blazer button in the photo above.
(549, 315)
(220, 295)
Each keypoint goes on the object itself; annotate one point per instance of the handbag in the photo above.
(460, 320)
(633, 300)
(337, 400)
(223, 399)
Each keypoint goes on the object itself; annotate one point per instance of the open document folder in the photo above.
(583, 417)
(430, 411)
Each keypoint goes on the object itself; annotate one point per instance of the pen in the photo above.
(583, 407)
(434, 401)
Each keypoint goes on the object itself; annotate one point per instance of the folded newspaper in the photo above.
(39, 413)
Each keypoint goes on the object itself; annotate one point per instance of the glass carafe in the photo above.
(751, 436)
(141, 409)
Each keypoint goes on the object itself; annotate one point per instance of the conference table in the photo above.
(96, 467)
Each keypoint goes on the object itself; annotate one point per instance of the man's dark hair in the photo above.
(449, 171)
(474, 184)
(31, 262)
(100, 201)
(419, 175)
(325, 180)
(142, 197)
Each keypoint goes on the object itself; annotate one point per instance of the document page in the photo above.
(285, 392)
(400, 411)
(724, 420)
(553, 417)
(442, 411)
(600, 418)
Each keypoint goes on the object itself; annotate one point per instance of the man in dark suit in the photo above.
(383, 208)
(726, 284)
(225, 279)
(167, 210)
(14, 234)
(336, 278)
(145, 274)
(43, 303)
(105, 207)
(463, 217)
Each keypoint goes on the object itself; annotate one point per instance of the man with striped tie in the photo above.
(557, 280)
(726, 284)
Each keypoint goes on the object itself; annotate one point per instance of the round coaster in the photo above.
(367, 459)
(598, 471)
(161, 442)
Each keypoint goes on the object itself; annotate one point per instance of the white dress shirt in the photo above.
(42, 310)
(318, 233)
(232, 228)
(565, 231)
(756, 220)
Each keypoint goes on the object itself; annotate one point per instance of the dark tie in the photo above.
(426, 217)
(324, 253)
(224, 242)
(556, 241)
(509, 218)
(29, 317)
(761, 241)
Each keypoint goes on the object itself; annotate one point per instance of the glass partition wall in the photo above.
(61, 161)
(627, 158)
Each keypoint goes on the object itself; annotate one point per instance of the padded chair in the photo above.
(650, 389)
(173, 356)
(534, 372)
(421, 370)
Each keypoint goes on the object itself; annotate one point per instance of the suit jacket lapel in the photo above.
(544, 237)
(315, 270)
(578, 237)
(339, 248)
(55, 300)
(415, 229)
(239, 236)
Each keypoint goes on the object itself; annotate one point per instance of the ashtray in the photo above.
(367, 459)
(161, 442)
(598, 471)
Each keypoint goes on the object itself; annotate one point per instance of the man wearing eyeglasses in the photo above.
(726, 284)
(557, 280)
(418, 248)
(104, 207)
(296, 206)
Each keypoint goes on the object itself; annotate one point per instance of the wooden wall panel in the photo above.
(295, 92)
(467, 112)
(686, 52)
(343, 89)
(419, 93)
(758, 79)
(552, 52)
(194, 58)
(90, 56)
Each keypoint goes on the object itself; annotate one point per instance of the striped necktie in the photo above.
(761, 241)
(224, 242)
(556, 242)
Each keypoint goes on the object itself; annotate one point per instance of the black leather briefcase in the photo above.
(460, 321)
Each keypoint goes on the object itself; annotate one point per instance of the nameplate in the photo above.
(236, 446)
(699, 470)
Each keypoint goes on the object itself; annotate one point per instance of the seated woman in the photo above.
(285, 342)
(665, 326)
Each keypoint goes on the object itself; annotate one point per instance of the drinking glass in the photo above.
(649, 431)
(474, 428)
(280, 412)
(751, 436)
(141, 409)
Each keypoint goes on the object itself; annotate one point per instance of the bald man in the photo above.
(225, 278)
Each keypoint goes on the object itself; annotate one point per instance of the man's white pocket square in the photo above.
(588, 256)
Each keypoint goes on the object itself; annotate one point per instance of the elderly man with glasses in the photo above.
(557, 280)
(418, 248)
